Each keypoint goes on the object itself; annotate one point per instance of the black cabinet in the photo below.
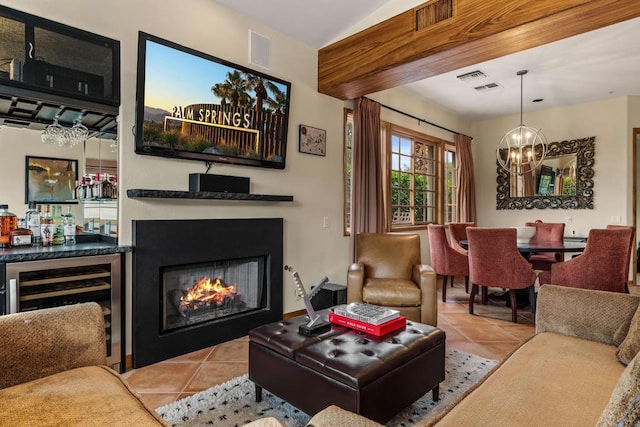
(48, 57)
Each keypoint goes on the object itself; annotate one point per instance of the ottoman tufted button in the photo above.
(368, 353)
(394, 340)
(334, 353)
(336, 341)
(363, 341)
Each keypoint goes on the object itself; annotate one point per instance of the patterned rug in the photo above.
(233, 403)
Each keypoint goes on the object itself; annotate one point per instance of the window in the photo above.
(414, 179)
(347, 169)
(450, 184)
(422, 177)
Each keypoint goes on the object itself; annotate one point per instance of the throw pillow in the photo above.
(623, 408)
(631, 344)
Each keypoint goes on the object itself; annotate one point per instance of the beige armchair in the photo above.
(388, 272)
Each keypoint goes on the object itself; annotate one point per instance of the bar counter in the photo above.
(88, 245)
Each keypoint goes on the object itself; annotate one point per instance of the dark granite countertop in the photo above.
(97, 247)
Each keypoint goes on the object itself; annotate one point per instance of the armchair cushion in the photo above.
(631, 344)
(391, 292)
(387, 255)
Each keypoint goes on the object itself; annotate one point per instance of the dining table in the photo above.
(527, 248)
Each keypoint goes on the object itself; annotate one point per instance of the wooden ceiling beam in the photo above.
(394, 52)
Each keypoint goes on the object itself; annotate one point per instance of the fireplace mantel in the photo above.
(136, 193)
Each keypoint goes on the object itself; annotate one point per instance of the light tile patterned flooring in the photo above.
(489, 333)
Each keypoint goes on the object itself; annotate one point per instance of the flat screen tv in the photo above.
(191, 105)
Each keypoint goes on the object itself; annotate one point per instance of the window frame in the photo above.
(449, 147)
(347, 172)
(438, 159)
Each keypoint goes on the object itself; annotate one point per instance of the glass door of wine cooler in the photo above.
(42, 284)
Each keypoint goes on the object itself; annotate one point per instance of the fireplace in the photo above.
(197, 283)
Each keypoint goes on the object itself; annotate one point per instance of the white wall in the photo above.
(607, 120)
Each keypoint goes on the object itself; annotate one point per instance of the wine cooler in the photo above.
(35, 285)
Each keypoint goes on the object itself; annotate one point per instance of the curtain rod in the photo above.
(418, 118)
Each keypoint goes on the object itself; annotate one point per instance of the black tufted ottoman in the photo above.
(373, 377)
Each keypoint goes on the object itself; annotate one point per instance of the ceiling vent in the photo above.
(432, 13)
(488, 86)
(472, 75)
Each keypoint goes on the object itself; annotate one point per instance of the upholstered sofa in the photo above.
(567, 374)
(53, 372)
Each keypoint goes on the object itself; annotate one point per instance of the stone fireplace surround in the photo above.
(165, 243)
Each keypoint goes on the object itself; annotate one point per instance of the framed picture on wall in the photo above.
(313, 140)
(50, 180)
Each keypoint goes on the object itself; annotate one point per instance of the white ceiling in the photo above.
(588, 67)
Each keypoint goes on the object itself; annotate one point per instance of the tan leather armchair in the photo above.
(388, 272)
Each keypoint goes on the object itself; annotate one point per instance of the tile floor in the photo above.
(490, 333)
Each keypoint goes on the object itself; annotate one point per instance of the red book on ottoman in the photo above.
(377, 330)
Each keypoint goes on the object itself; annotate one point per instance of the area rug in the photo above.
(233, 403)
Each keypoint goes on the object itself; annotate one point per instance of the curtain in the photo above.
(466, 183)
(529, 183)
(367, 207)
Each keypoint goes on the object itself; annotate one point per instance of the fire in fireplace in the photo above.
(189, 293)
(199, 293)
(206, 295)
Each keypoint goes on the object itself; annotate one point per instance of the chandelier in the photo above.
(522, 149)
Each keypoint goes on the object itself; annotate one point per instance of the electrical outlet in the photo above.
(569, 218)
(615, 219)
(325, 222)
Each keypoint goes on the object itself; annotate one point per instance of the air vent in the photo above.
(473, 75)
(488, 86)
(433, 13)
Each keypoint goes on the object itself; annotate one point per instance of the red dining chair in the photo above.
(494, 261)
(546, 232)
(631, 241)
(604, 264)
(458, 232)
(445, 260)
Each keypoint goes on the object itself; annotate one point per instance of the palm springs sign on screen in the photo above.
(200, 107)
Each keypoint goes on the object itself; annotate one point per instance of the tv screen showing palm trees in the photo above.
(195, 106)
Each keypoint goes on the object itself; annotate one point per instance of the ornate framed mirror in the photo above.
(563, 181)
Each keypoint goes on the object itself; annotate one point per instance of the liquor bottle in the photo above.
(107, 187)
(81, 189)
(97, 187)
(115, 187)
(46, 227)
(69, 223)
(88, 194)
(8, 223)
(20, 236)
(32, 222)
(58, 227)
(76, 189)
